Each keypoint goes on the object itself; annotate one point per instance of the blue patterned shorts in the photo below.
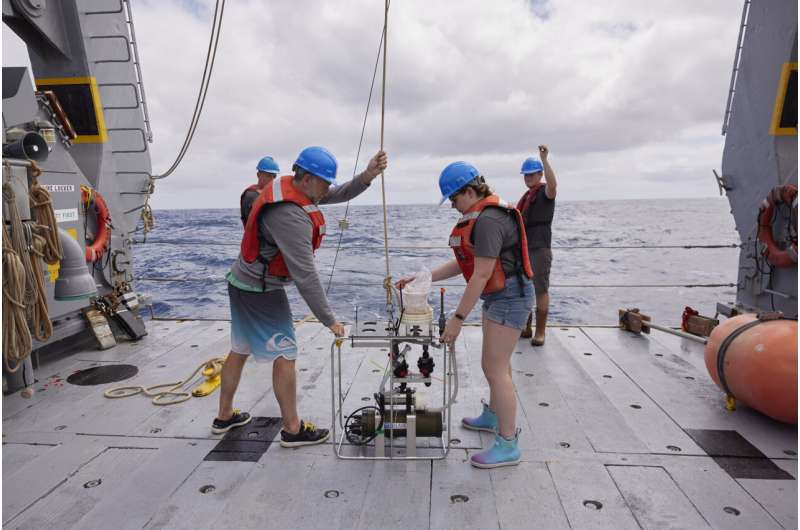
(261, 324)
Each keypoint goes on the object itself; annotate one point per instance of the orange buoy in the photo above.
(755, 360)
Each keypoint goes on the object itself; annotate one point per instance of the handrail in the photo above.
(735, 71)
(444, 247)
(215, 279)
(137, 65)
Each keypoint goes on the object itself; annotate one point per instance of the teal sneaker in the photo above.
(487, 421)
(502, 453)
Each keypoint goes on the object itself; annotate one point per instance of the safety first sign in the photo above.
(66, 215)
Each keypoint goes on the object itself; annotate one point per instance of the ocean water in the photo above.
(185, 258)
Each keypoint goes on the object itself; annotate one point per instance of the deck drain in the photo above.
(528, 374)
(593, 505)
(101, 375)
(731, 510)
(790, 452)
(606, 376)
(674, 448)
(659, 355)
(365, 398)
(588, 354)
(571, 336)
(162, 365)
(194, 345)
(304, 369)
(455, 499)
(332, 494)
(690, 378)
(320, 348)
(61, 427)
(93, 483)
(518, 352)
(455, 441)
(565, 445)
(635, 406)
(220, 329)
(208, 488)
(376, 371)
(155, 430)
(544, 404)
(564, 329)
(369, 330)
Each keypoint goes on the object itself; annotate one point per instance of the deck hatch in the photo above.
(246, 443)
(101, 375)
(738, 457)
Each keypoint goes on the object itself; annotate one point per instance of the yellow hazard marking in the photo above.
(102, 135)
(775, 128)
(53, 269)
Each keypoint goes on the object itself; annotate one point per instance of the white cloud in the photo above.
(629, 95)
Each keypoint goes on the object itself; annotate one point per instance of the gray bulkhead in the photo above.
(757, 157)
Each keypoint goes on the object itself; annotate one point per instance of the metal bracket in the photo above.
(722, 182)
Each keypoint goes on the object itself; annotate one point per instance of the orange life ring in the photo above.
(777, 256)
(100, 244)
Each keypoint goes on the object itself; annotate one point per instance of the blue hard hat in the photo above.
(318, 161)
(531, 165)
(455, 176)
(268, 165)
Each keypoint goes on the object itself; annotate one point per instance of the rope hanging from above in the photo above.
(387, 283)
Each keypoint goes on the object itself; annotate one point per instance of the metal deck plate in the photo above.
(586, 446)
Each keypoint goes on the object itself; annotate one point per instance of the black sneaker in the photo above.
(308, 435)
(238, 419)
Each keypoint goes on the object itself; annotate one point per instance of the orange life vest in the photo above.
(281, 190)
(252, 187)
(463, 248)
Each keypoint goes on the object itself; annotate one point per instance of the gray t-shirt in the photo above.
(287, 227)
(494, 230)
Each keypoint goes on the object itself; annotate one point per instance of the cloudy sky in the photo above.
(629, 95)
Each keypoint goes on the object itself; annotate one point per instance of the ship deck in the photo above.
(618, 431)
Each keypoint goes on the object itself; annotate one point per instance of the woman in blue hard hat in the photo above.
(537, 207)
(490, 252)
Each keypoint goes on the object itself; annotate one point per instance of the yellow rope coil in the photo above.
(172, 393)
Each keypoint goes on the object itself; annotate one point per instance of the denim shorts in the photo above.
(511, 306)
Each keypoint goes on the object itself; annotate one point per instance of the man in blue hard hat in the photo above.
(537, 206)
(284, 229)
(266, 171)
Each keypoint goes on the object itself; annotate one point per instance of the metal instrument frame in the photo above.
(367, 335)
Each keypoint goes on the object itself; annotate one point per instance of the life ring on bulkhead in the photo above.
(97, 248)
(777, 256)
